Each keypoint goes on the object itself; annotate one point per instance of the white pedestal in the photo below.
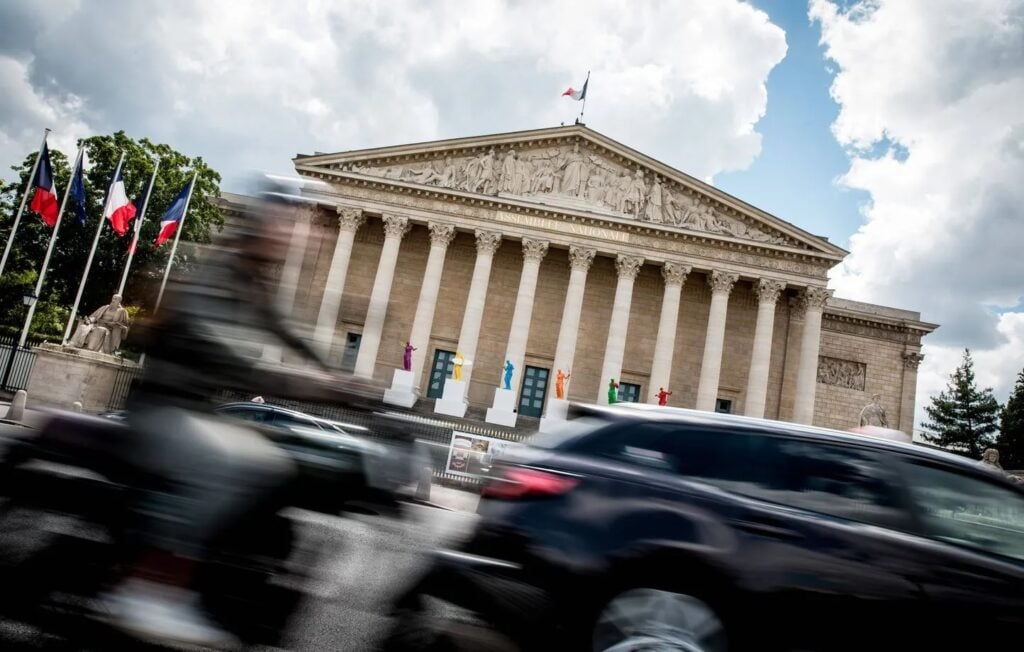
(402, 391)
(503, 412)
(558, 412)
(453, 400)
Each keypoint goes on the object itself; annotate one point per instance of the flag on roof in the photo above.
(78, 190)
(578, 95)
(118, 209)
(175, 213)
(44, 200)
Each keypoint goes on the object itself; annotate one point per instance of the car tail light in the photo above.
(512, 483)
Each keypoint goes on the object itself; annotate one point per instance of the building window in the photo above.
(629, 393)
(351, 352)
(441, 369)
(533, 392)
(723, 405)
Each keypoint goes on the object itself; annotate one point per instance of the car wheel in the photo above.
(654, 620)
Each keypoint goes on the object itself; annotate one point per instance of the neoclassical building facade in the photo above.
(562, 249)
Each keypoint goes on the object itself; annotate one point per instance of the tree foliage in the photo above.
(963, 418)
(74, 241)
(1011, 428)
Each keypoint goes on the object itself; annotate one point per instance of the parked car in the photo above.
(656, 528)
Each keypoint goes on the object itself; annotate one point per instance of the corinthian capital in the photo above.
(487, 242)
(441, 233)
(581, 258)
(722, 281)
(814, 297)
(912, 359)
(350, 219)
(395, 226)
(534, 249)
(768, 290)
(628, 266)
(675, 273)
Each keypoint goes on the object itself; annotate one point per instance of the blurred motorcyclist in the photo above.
(207, 337)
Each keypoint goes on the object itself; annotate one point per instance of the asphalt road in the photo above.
(367, 561)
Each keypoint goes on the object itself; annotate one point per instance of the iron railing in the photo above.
(14, 373)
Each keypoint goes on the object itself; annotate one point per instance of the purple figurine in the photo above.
(407, 358)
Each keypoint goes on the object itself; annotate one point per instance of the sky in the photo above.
(891, 127)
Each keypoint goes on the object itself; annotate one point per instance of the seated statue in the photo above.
(104, 329)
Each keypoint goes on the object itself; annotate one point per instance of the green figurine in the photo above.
(613, 392)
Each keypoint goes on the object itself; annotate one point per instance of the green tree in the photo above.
(74, 241)
(1011, 428)
(963, 418)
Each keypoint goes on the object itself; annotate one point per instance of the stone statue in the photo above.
(873, 413)
(509, 368)
(104, 329)
(572, 178)
(633, 198)
(407, 356)
(613, 392)
(991, 458)
(457, 363)
(652, 210)
(510, 173)
(663, 396)
(560, 379)
(595, 187)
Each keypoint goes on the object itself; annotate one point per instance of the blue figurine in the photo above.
(508, 374)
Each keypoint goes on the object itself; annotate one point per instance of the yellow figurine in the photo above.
(457, 363)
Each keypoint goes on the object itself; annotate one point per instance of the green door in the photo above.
(629, 393)
(441, 369)
(533, 392)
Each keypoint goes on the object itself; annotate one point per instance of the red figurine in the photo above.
(663, 396)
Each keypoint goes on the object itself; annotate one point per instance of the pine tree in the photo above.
(963, 418)
(1011, 428)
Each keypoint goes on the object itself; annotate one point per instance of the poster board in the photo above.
(470, 456)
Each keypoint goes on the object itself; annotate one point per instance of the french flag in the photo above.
(118, 209)
(578, 95)
(44, 200)
(175, 213)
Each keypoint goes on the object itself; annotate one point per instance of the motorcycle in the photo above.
(70, 525)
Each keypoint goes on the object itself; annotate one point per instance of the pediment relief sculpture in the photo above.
(572, 175)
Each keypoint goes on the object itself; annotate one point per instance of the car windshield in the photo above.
(566, 432)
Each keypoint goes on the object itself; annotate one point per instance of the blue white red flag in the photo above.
(118, 209)
(578, 95)
(44, 200)
(172, 218)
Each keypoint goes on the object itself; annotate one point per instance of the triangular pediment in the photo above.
(572, 168)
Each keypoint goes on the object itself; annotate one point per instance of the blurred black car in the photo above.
(652, 529)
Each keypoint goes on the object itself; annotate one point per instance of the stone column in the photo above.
(813, 300)
(533, 253)
(349, 221)
(395, 228)
(664, 347)
(711, 366)
(768, 291)
(441, 235)
(908, 392)
(504, 408)
(487, 242)
(615, 346)
(288, 284)
(580, 260)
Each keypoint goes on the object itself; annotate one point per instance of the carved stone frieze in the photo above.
(842, 373)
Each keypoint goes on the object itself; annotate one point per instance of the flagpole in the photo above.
(21, 208)
(37, 293)
(586, 85)
(92, 252)
(174, 247)
(138, 228)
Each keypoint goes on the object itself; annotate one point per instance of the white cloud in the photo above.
(930, 94)
(247, 85)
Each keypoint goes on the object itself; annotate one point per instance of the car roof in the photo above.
(716, 420)
(291, 412)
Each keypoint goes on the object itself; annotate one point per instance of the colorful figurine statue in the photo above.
(407, 357)
(560, 379)
(663, 396)
(613, 392)
(509, 368)
(457, 363)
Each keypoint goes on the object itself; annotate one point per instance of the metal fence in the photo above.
(123, 381)
(14, 373)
